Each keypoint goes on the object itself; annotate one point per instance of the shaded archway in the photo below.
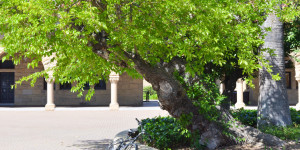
(294, 58)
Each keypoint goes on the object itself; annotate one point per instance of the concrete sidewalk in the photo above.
(67, 128)
(151, 105)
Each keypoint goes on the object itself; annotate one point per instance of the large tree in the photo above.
(177, 46)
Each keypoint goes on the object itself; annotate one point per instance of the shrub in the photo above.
(152, 93)
(284, 133)
(295, 116)
(165, 132)
(149, 89)
(246, 117)
(249, 117)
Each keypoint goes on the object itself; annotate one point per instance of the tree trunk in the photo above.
(273, 107)
(173, 98)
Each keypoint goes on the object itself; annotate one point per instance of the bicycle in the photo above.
(128, 143)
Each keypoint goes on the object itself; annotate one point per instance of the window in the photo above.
(86, 86)
(65, 86)
(288, 64)
(101, 85)
(45, 85)
(7, 64)
(288, 80)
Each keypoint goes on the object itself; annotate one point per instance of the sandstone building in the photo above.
(244, 95)
(125, 90)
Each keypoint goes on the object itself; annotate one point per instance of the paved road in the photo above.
(67, 128)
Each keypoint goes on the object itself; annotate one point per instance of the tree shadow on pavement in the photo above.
(152, 103)
(92, 144)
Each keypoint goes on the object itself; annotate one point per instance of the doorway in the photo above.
(6, 92)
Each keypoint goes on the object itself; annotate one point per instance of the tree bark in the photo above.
(173, 98)
(273, 107)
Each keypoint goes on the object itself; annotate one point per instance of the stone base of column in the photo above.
(113, 106)
(239, 105)
(50, 107)
(298, 106)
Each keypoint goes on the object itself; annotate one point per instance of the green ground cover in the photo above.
(167, 133)
(249, 117)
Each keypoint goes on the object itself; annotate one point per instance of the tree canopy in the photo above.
(78, 32)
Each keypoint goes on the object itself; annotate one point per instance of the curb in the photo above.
(123, 134)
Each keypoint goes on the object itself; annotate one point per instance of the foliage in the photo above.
(291, 38)
(150, 91)
(292, 35)
(289, 10)
(93, 38)
(246, 117)
(151, 97)
(165, 132)
(285, 133)
(295, 115)
(205, 95)
(249, 117)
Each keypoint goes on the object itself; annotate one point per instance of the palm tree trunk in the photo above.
(273, 107)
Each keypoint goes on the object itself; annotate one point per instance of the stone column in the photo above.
(114, 78)
(50, 106)
(49, 63)
(221, 88)
(221, 85)
(239, 91)
(298, 104)
(1, 48)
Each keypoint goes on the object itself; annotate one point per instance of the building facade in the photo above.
(126, 91)
(244, 95)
